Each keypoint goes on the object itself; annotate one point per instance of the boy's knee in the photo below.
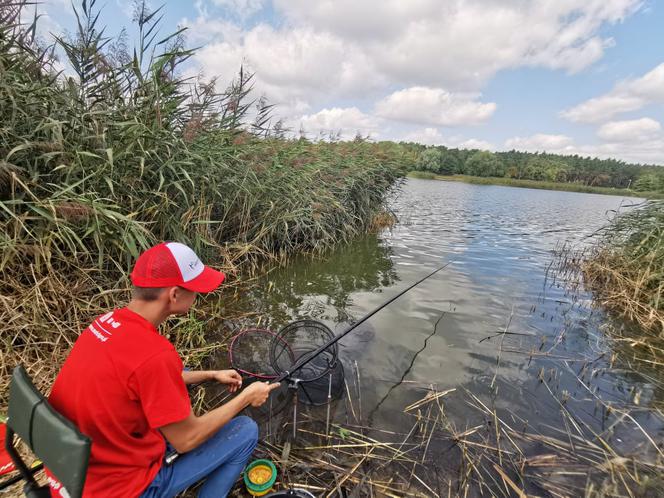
(248, 427)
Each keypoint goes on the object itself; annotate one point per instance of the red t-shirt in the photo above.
(121, 381)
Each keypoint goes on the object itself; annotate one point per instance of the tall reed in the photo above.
(121, 151)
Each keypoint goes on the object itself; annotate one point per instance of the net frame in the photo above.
(272, 336)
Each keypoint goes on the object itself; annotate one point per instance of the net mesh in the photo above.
(261, 354)
(249, 353)
(324, 389)
(300, 340)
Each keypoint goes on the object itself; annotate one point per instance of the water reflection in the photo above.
(523, 344)
(323, 287)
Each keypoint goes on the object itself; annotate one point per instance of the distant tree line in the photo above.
(539, 166)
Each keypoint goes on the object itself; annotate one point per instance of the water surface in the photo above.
(498, 243)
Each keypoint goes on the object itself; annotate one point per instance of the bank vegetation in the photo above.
(626, 268)
(540, 170)
(119, 151)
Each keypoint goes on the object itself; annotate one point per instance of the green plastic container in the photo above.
(257, 489)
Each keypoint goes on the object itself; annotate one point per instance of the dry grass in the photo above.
(622, 283)
(486, 454)
(626, 268)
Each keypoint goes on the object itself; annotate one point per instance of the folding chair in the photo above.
(50, 436)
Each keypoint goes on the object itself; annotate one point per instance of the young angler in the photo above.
(124, 386)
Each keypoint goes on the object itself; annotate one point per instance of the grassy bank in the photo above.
(626, 267)
(512, 182)
(96, 166)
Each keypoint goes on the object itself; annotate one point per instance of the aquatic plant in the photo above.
(626, 268)
(121, 151)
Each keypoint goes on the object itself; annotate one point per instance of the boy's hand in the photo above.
(258, 392)
(229, 377)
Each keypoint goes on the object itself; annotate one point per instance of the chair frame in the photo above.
(30, 407)
(31, 487)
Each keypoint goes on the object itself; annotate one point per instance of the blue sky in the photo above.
(566, 76)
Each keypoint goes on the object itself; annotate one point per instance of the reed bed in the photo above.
(626, 268)
(122, 151)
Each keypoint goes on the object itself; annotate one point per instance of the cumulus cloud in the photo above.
(424, 62)
(241, 8)
(433, 136)
(434, 106)
(629, 95)
(332, 49)
(426, 136)
(646, 152)
(203, 29)
(634, 130)
(461, 44)
(346, 121)
(540, 142)
(637, 141)
(297, 64)
(472, 143)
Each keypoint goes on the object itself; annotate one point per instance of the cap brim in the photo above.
(207, 281)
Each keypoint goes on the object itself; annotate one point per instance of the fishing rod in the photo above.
(306, 359)
(173, 455)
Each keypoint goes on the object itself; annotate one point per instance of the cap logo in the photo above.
(189, 264)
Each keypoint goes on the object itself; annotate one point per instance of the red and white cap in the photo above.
(174, 264)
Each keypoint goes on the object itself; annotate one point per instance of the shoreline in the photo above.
(534, 184)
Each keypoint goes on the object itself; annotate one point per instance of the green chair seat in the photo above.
(51, 437)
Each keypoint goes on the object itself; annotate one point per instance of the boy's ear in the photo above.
(173, 294)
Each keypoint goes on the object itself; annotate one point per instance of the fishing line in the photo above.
(406, 372)
(290, 351)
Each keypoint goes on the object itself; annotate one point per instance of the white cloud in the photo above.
(202, 29)
(434, 106)
(629, 95)
(432, 136)
(347, 121)
(647, 152)
(331, 49)
(439, 54)
(540, 142)
(291, 65)
(241, 8)
(637, 141)
(472, 143)
(427, 136)
(463, 43)
(50, 12)
(634, 130)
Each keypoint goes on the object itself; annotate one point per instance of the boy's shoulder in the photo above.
(126, 337)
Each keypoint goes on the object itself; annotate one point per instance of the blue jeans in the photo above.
(219, 461)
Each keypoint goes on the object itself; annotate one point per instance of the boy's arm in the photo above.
(196, 376)
(230, 377)
(193, 431)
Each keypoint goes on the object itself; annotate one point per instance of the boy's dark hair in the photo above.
(146, 293)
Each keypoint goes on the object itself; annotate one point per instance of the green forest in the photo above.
(573, 169)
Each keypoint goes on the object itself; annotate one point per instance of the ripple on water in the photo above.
(499, 242)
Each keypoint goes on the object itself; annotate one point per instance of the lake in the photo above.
(512, 337)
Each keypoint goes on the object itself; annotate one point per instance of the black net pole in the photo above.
(304, 360)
